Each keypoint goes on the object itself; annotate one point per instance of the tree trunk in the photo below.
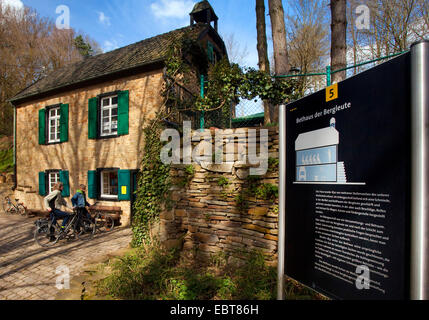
(281, 58)
(338, 39)
(264, 63)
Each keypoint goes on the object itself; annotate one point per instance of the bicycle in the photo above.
(48, 234)
(85, 227)
(104, 222)
(12, 208)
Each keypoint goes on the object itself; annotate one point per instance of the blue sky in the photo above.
(117, 23)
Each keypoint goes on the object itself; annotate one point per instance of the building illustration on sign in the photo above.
(317, 157)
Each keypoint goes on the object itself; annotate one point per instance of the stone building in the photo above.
(83, 123)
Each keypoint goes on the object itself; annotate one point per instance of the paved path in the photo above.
(28, 271)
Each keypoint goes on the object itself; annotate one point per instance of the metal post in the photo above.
(328, 76)
(15, 182)
(202, 96)
(282, 202)
(419, 282)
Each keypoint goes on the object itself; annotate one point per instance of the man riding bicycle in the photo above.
(53, 203)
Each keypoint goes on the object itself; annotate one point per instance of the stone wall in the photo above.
(209, 217)
(81, 154)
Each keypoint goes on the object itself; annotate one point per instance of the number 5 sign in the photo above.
(332, 92)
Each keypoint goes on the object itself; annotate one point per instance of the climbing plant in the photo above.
(153, 192)
(225, 83)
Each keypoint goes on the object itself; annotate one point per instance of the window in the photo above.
(48, 179)
(109, 184)
(54, 125)
(53, 178)
(109, 116)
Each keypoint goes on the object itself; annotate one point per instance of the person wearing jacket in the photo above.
(53, 203)
(79, 200)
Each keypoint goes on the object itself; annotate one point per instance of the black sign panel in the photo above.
(347, 188)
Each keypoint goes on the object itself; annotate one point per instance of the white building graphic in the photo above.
(317, 157)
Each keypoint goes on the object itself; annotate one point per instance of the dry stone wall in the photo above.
(218, 207)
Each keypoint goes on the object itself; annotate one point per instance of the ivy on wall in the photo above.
(227, 84)
(153, 192)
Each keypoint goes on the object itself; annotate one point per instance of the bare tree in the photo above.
(308, 40)
(278, 28)
(262, 47)
(30, 47)
(394, 26)
(281, 57)
(338, 38)
(236, 52)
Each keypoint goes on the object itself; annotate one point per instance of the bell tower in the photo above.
(204, 13)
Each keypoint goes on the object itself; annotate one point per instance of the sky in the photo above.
(117, 23)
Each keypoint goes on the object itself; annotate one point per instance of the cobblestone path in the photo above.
(28, 271)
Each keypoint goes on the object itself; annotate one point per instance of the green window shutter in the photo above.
(42, 126)
(92, 184)
(64, 123)
(124, 177)
(42, 184)
(210, 53)
(123, 113)
(64, 178)
(92, 118)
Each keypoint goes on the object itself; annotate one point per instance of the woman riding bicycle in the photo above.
(53, 203)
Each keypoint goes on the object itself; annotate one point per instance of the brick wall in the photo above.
(207, 217)
(80, 154)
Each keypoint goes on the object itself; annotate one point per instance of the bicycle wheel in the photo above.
(99, 222)
(44, 237)
(85, 230)
(109, 223)
(21, 209)
(12, 210)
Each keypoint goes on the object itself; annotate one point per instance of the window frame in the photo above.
(48, 174)
(100, 98)
(48, 124)
(101, 195)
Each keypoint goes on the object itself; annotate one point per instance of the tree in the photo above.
(308, 41)
(262, 47)
(393, 27)
(83, 47)
(30, 47)
(278, 29)
(236, 53)
(338, 38)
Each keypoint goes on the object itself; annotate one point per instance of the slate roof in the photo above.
(136, 55)
(200, 6)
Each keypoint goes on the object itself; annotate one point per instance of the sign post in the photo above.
(354, 182)
(282, 202)
(420, 171)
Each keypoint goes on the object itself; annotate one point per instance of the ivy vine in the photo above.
(153, 192)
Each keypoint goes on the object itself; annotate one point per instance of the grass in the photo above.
(158, 274)
(6, 160)
(153, 273)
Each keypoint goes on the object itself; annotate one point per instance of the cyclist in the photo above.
(79, 201)
(53, 203)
